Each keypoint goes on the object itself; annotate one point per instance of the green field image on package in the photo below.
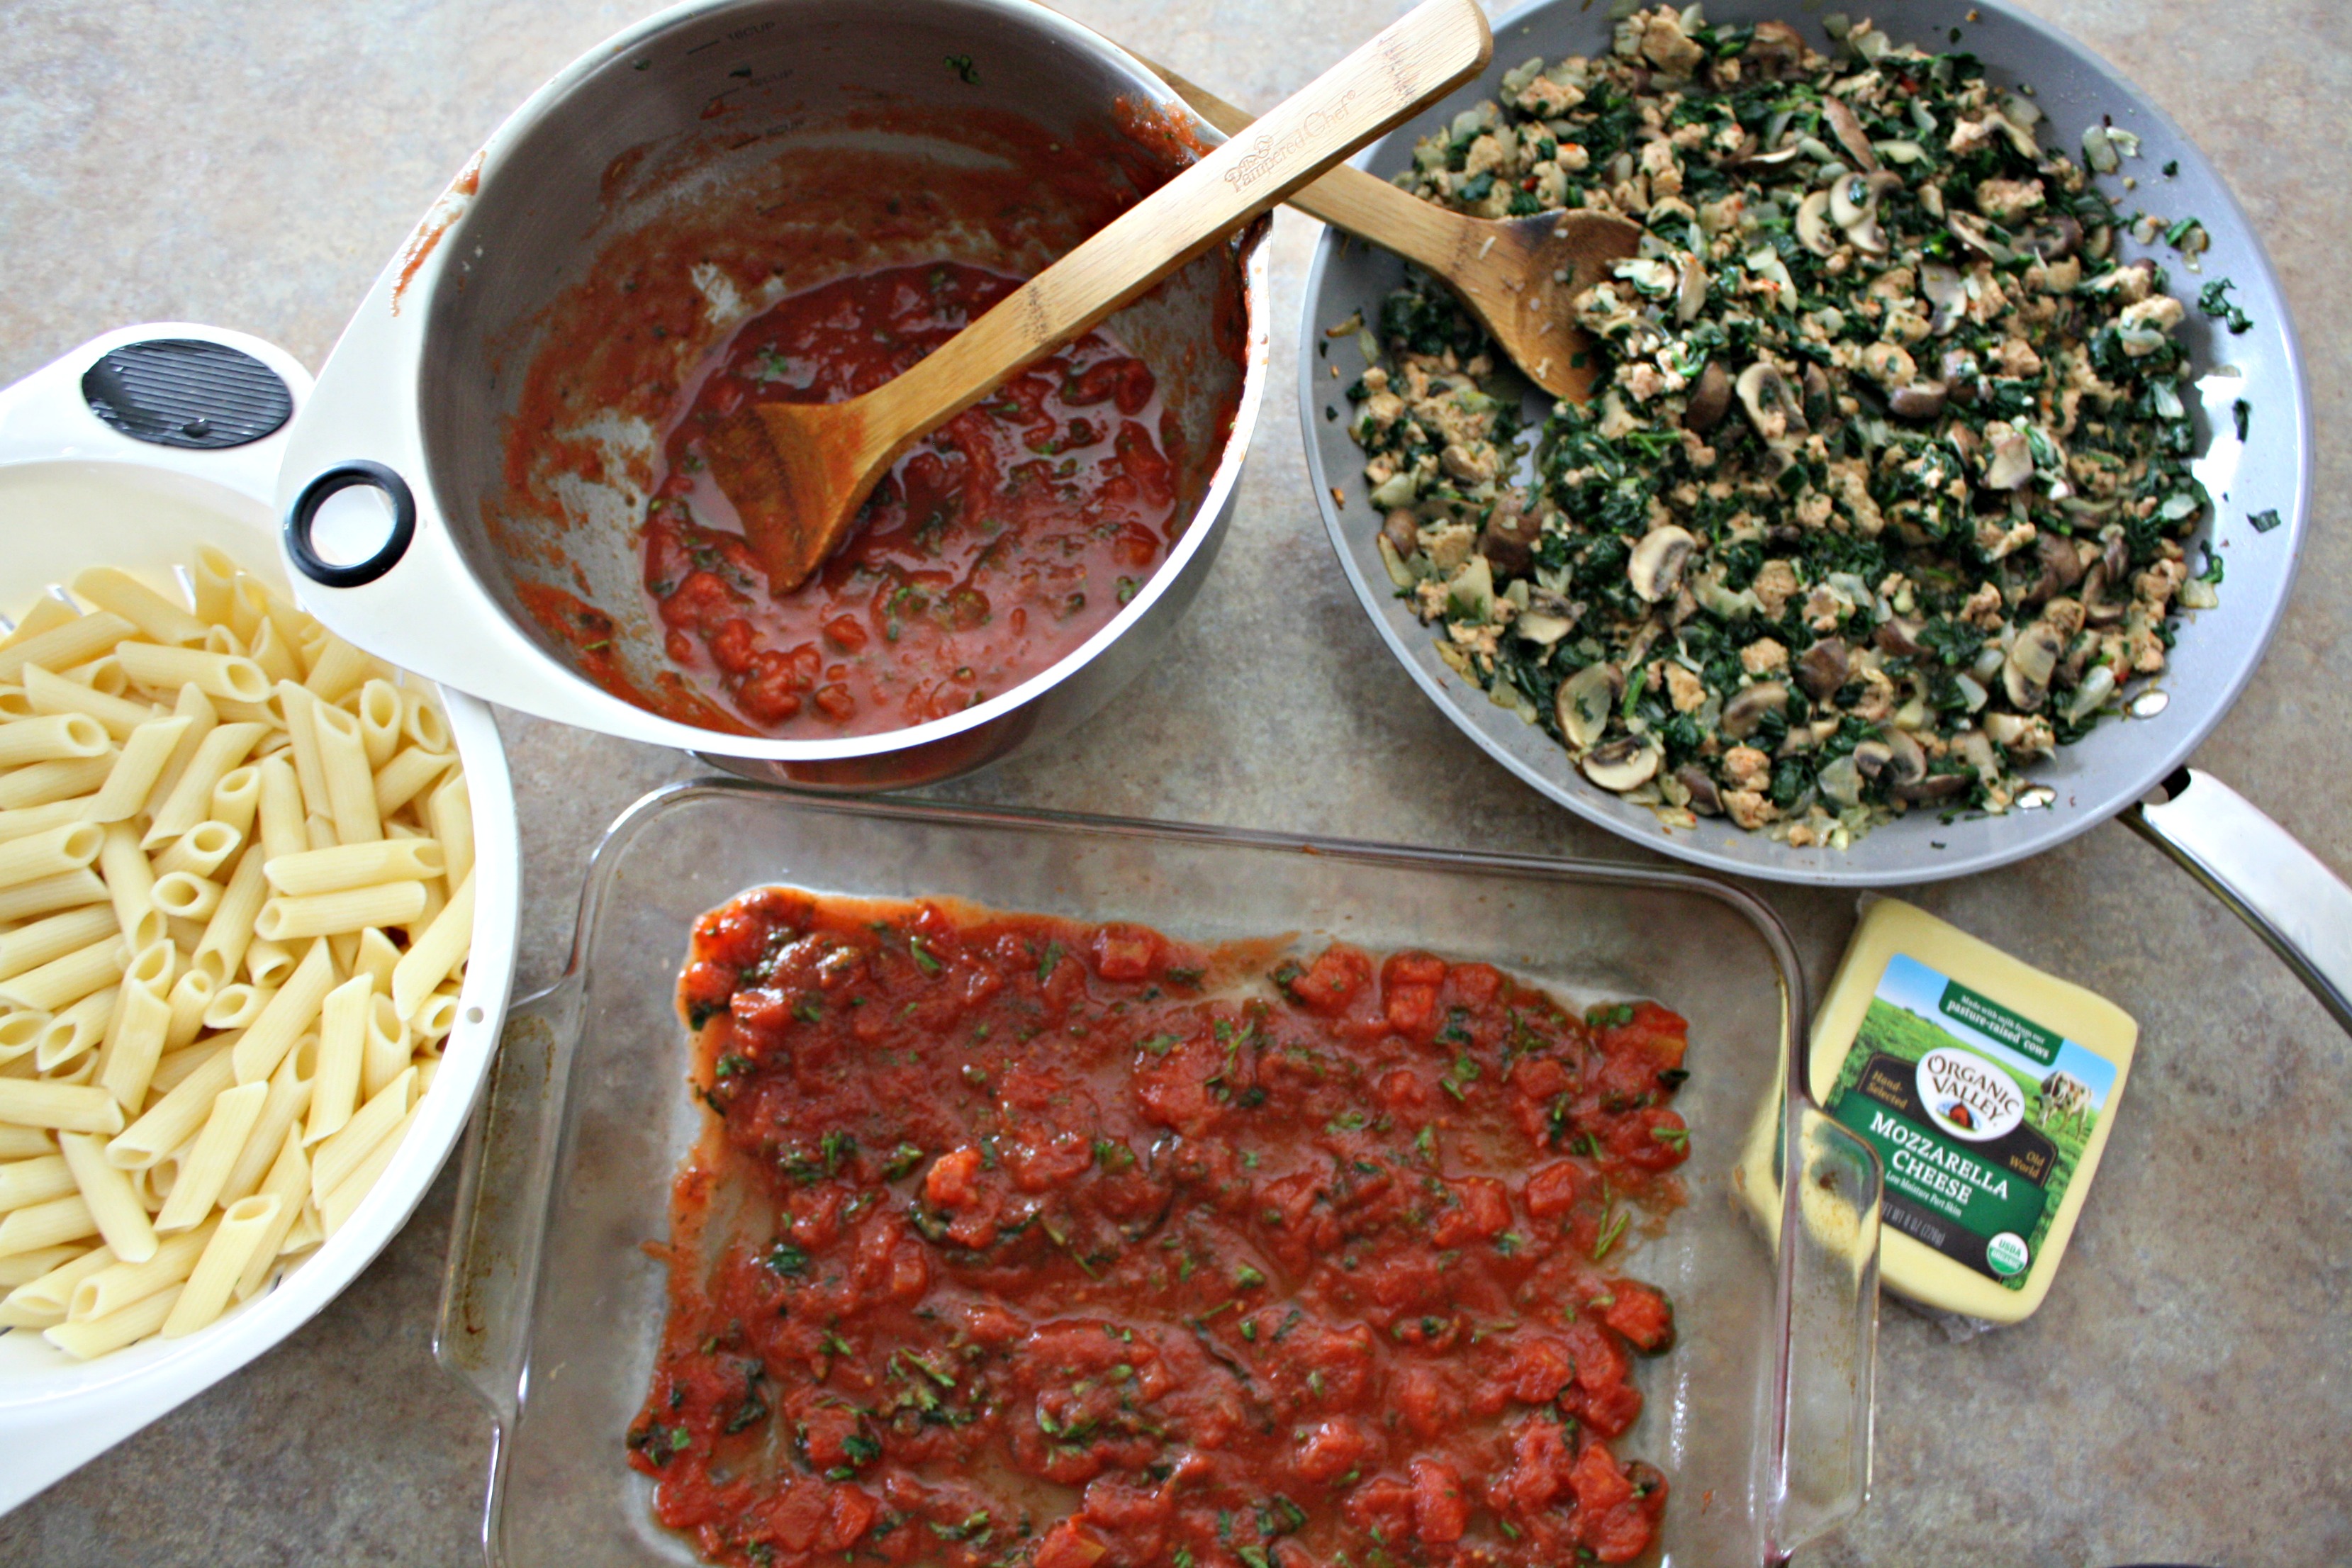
(1979, 1114)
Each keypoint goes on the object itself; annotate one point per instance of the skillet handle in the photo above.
(2289, 896)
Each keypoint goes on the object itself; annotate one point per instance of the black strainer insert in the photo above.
(182, 392)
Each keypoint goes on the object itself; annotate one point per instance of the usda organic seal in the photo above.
(2007, 1254)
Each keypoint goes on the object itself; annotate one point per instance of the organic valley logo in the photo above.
(1968, 1097)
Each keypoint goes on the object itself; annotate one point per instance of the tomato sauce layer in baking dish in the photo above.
(1016, 1240)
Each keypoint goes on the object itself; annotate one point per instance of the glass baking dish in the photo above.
(551, 1308)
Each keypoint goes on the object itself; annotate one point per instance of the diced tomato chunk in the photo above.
(1332, 981)
(1643, 1315)
(1069, 1544)
(1553, 1189)
(1125, 953)
(1440, 1511)
(1482, 1214)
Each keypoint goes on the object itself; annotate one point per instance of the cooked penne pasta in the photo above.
(52, 852)
(55, 737)
(50, 609)
(243, 1226)
(61, 981)
(351, 783)
(213, 674)
(67, 1035)
(236, 800)
(229, 843)
(409, 774)
(49, 693)
(175, 1119)
(289, 1181)
(432, 955)
(136, 1036)
(39, 783)
(291, 1011)
(353, 910)
(35, 1181)
(136, 768)
(222, 948)
(341, 669)
(30, 946)
(64, 1108)
(267, 964)
(38, 819)
(121, 1220)
(337, 1206)
(288, 1097)
(130, 883)
(338, 1156)
(19, 1142)
(42, 1300)
(349, 865)
(378, 712)
(342, 1054)
(107, 1290)
(69, 643)
(50, 894)
(222, 748)
(52, 1224)
(205, 1172)
(183, 895)
(389, 1047)
(202, 849)
(157, 618)
(26, 1266)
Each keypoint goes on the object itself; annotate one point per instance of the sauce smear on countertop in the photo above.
(1020, 1241)
(994, 547)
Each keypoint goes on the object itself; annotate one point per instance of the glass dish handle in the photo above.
(492, 1274)
(1830, 1278)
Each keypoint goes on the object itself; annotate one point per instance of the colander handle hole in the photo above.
(350, 522)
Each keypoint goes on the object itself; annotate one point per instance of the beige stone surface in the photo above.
(2185, 1395)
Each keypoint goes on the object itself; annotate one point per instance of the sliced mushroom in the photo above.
(1850, 200)
(2058, 236)
(1509, 538)
(1585, 700)
(1947, 291)
(1974, 749)
(1893, 758)
(1977, 234)
(1624, 763)
(1854, 203)
(1547, 618)
(2014, 733)
(1848, 130)
(1935, 786)
(2032, 661)
(1960, 372)
(2098, 609)
(2062, 568)
(1705, 799)
(1745, 712)
(2116, 554)
(1921, 399)
(1771, 404)
(1776, 50)
(1817, 405)
(1656, 567)
(1813, 231)
(2009, 461)
(1900, 637)
(1690, 294)
(1709, 401)
(1823, 668)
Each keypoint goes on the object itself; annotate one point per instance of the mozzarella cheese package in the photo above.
(1987, 1088)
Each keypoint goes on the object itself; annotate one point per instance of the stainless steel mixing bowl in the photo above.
(699, 116)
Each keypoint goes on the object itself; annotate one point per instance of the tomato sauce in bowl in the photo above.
(1014, 1240)
(996, 546)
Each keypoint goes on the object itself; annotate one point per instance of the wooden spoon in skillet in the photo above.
(1516, 275)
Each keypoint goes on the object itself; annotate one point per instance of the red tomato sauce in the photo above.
(1018, 1241)
(997, 545)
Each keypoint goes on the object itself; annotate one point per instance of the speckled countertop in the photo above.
(2185, 1395)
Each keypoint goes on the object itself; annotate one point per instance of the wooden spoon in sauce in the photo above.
(1517, 275)
(797, 472)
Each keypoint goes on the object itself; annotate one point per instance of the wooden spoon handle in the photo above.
(1363, 205)
(1422, 56)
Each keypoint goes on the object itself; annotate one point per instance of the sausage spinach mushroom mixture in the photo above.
(1885, 491)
